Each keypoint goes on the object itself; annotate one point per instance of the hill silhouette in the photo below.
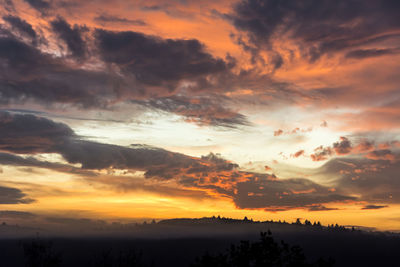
(179, 242)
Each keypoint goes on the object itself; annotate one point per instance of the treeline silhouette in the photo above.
(224, 220)
(213, 241)
(40, 253)
(205, 220)
(263, 253)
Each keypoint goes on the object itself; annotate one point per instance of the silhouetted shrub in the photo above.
(128, 258)
(263, 253)
(40, 253)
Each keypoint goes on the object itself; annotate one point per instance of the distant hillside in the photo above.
(178, 242)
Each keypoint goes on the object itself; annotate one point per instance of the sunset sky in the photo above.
(126, 110)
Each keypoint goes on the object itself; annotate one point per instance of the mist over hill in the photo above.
(178, 242)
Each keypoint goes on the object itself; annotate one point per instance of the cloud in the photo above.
(75, 221)
(366, 53)
(71, 36)
(201, 110)
(320, 208)
(340, 148)
(15, 160)
(9, 195)
(9, 5)
(373, 207)
(29, 74)
(40, 5)
(155, 61)
(294, 131)
(29, 134)
(284, 194)
(364, 148)
(278, 132)
(108, 18)
(21, 26)
(321, 153)
(374, 181)
(298, 153)
(132, 68)
(343, 147)
(127, 183)
(16, 214)
(383, 154)
(316, 26)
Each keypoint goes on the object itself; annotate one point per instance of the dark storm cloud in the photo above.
(155, 61)
(324, 26)
(21, 26)
(71, 36)
(9, 195)
(107, 18)
(201, 110)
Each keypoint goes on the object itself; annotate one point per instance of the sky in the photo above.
(127, 110)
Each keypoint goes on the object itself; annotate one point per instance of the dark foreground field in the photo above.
(180, 242)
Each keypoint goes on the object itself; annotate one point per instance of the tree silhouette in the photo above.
(124, 258)
(263, 253)
(39, 253)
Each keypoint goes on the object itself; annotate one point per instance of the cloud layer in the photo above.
(29, 134)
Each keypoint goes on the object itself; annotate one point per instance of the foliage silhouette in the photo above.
(263, 253)
(40, 253)
(125, 258)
